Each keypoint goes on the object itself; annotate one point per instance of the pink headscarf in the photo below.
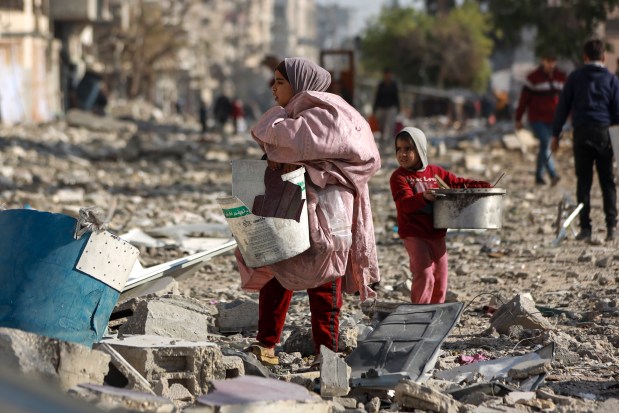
(304, 75)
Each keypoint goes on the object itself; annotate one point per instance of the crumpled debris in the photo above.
(91, 219)
(464, 359)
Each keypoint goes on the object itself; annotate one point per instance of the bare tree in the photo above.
(152, 40)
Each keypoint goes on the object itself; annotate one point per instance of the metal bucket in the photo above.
(472, 208)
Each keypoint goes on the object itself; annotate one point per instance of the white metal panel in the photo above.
(108, 259)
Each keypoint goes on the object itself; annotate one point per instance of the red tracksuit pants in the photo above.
(325, 303)
(428, 263)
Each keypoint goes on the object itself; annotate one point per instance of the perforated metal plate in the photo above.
(108, 259)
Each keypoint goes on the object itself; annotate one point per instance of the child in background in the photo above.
(412, 187)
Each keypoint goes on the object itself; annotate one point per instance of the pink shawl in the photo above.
(336, 146)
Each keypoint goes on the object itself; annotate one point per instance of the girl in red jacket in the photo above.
(412, 187)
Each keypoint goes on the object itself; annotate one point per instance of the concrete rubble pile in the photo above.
(537, 332)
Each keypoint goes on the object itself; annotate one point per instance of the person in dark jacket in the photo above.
(591, 96)
(539, 98)
(387, 105)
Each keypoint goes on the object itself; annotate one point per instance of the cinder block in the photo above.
(190, 364)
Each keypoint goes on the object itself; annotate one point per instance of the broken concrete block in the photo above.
(169, 316)
(250, 393)
(334, 374)
(308, 379)
(416, 396)
(300, 340)
(79, 364)
(519, 396)
(519, 311)
(173, 391)
(67, 364)
(122, 374)
(157, 359)
(250, 363)
(547, 394)
(237, 316)
(347, 402)
(234, 366)
(373, 406)
(529, 368)
(112, 398)
(347, 340)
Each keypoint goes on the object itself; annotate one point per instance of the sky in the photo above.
(362, 10)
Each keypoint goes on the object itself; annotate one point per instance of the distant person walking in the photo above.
(591, 95)
(203, 113)
(539, 98)
(387, 106)
(222, 112)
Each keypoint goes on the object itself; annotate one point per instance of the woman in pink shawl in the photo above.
(327, 136)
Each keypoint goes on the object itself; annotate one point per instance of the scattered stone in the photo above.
(300, 340)
(602, 262)
(373, 406)
(308, 379)
(237, 316)
(66, 364)
(409, 394)
(169, 316)
(586, 256)
(519, 396)
(233, 366)
(519, 311)
(163, 360)
(347, 340)
(112, 398)
(529, 368)
(334, 374)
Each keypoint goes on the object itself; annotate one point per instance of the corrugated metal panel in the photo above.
(404, 345)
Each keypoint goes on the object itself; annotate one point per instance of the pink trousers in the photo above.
(428, 263)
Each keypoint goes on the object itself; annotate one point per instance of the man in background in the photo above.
(386, 106)
(539, 98)
(591, 96)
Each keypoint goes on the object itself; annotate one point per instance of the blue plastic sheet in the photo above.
(42, 292)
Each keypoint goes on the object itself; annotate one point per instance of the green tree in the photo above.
(562, 25)
(446, 50)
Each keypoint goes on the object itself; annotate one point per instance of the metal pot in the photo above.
(469, 208)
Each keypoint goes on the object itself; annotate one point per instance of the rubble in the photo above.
(169, 316)
(164, 183)
(334, 374)
(520, 311)
(65, 364)
(412, 395)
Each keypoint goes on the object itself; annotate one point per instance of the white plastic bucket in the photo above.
(261, 240)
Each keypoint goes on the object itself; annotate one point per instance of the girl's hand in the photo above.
(429, 195)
